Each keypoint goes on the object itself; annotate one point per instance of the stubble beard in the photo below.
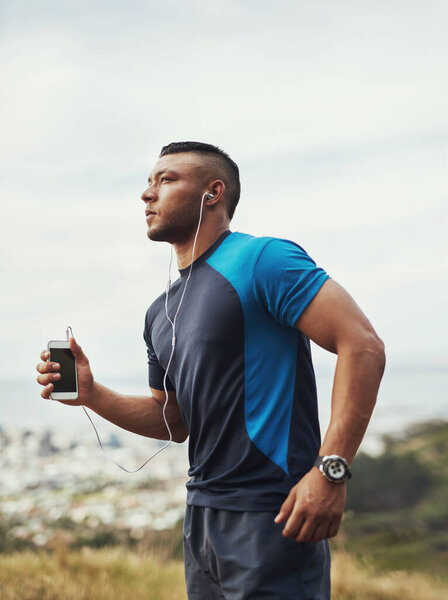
(177, 229)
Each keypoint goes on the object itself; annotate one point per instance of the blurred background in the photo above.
(336, 115)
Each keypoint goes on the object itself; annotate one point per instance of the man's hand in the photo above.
(49, 373)
(313, 508)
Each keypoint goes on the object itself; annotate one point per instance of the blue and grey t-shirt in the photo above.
(241, 370)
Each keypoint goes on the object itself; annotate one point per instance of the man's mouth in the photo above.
(149, 214)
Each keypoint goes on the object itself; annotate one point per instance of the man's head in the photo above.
(216, 164)
(183, 173)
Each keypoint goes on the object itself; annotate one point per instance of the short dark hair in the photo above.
(229, 167)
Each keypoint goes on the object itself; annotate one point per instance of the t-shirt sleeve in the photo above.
(286, 279)
(156, 372)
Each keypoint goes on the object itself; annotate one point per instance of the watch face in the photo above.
(335, 469)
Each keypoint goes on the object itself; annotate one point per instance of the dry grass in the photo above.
(119, 574)
(353, 581)
(90, 575)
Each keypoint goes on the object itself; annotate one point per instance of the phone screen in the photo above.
(67, 382)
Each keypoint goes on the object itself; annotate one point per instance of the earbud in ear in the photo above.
(211, 196)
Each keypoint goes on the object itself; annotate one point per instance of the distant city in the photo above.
(52, 479)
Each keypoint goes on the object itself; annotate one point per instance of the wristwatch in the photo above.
(333, 467)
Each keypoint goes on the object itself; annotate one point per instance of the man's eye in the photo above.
(165, 178)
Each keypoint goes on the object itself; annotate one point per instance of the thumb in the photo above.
(286, 508)
(79, 355)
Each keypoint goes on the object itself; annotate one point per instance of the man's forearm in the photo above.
(140, 414)
(356, 382)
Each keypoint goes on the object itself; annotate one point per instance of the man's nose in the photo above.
(148, 195)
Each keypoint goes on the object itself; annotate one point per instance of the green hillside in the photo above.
(397, 510)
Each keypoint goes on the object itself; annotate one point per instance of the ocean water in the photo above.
(406, 397)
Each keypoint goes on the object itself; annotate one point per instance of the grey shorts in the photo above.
(243, 556)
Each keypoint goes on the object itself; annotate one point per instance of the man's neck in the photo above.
(205, 240)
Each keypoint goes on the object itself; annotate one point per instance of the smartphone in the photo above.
(65, 388)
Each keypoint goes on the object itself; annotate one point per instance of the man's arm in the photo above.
(314, 507)
(139, 414)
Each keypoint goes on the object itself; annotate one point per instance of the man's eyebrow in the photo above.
(160, 173)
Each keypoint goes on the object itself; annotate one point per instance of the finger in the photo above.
(294, 524)
(47, 391)
(48, 378)
(307, 531)
(47, 367)
(320, 532)
(79, 355)
(333, 529)
(45, 355)
(286, 508)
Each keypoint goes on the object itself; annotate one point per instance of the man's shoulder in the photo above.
(237, 253)
(242, 258)
(256, 245)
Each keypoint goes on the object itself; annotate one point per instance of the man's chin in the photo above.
(168, 234)
(156, 235)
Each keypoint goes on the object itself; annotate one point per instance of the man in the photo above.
(264, 495)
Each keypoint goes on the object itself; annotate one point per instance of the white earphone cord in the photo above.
(173, 346)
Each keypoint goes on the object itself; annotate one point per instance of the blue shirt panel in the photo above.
(275, 280)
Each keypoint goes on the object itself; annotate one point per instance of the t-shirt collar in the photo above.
(206, 254)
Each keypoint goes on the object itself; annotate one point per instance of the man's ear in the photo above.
(215, 192)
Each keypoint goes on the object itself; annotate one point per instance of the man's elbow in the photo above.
(381, 353)
(372, 345)
(366, 343)
(180, 435)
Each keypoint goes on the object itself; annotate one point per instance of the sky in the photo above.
(334, 111)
